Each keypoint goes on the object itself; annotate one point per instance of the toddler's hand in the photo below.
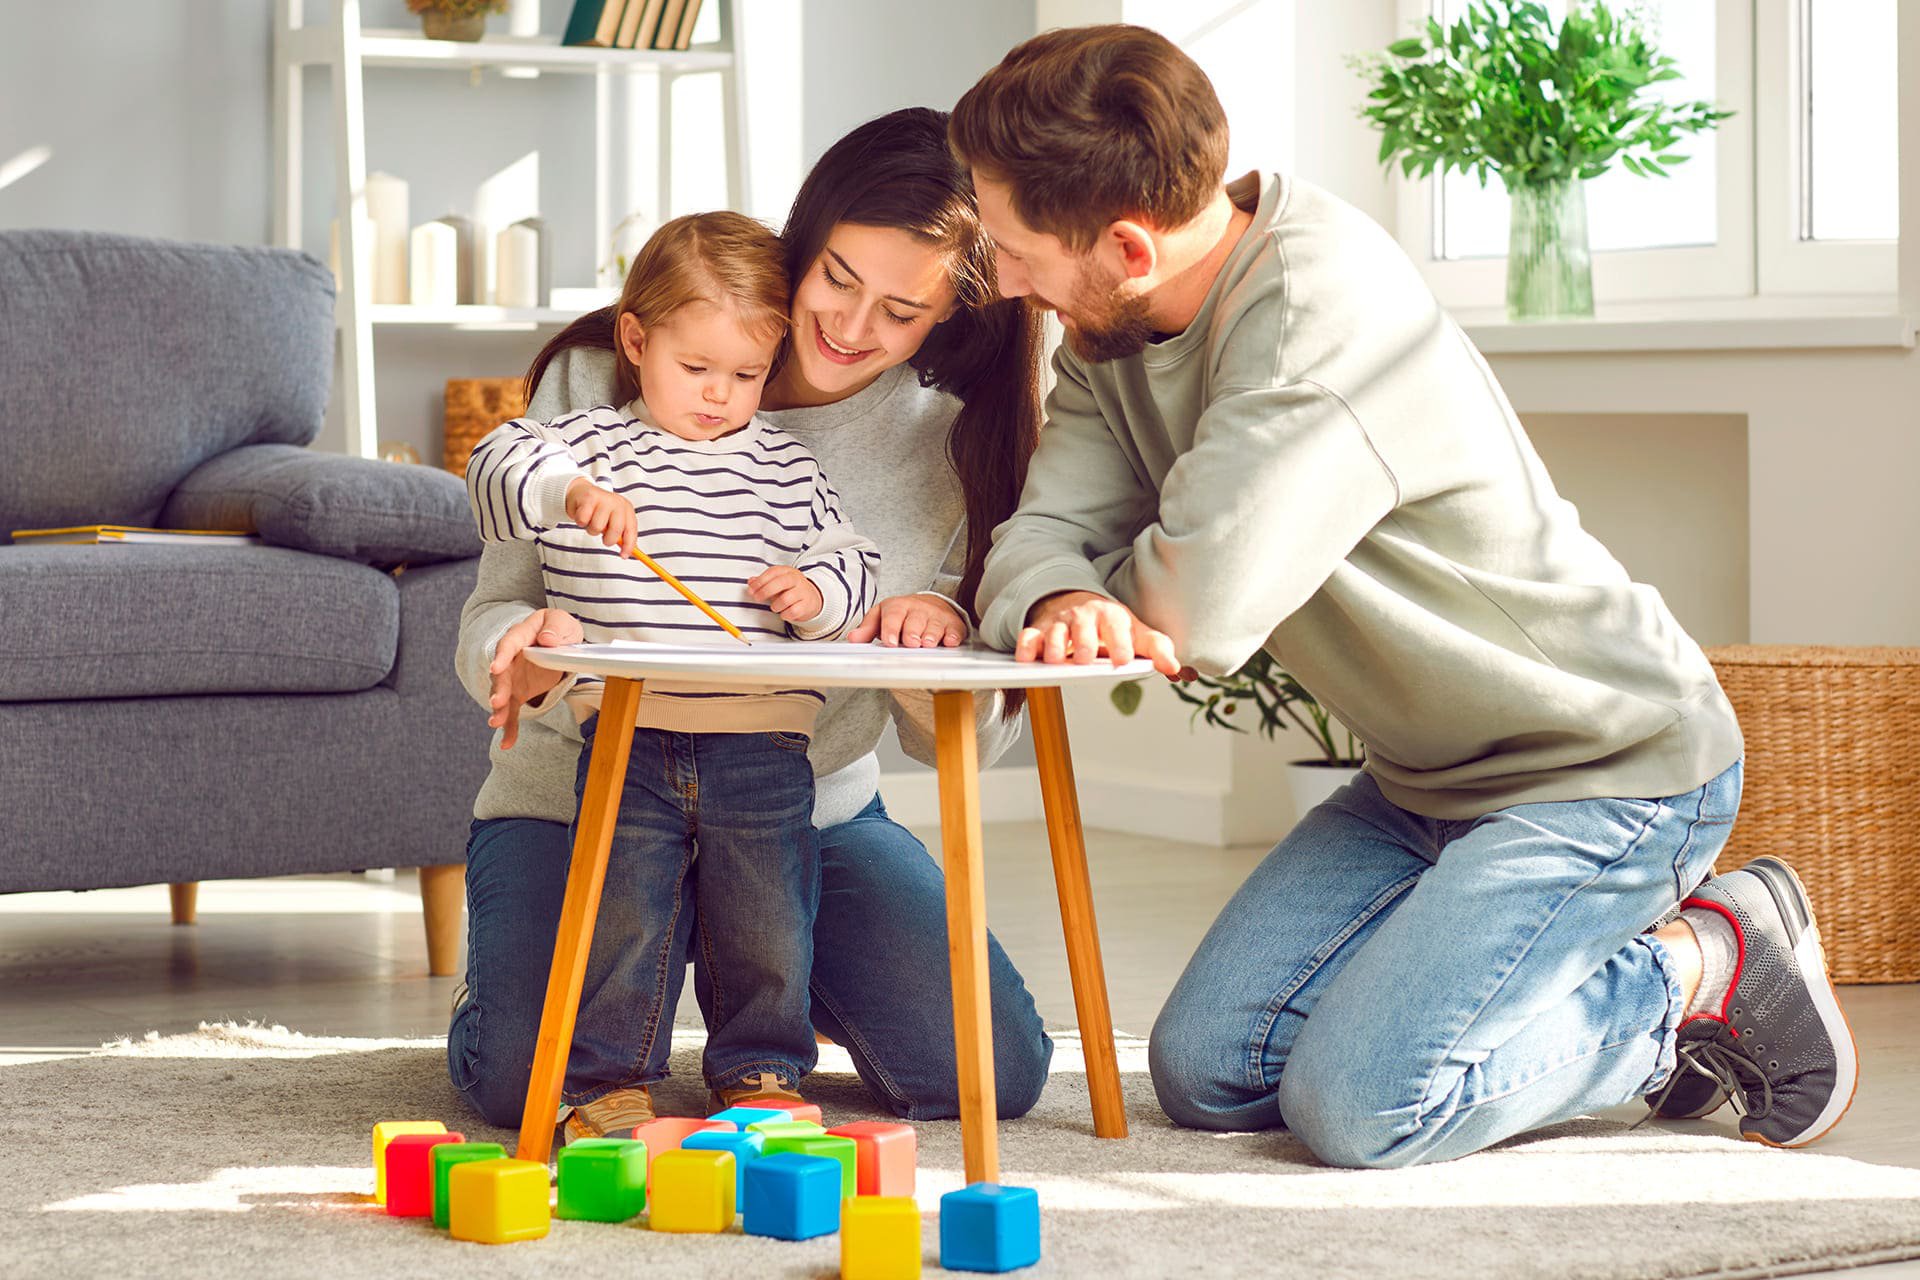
(603, 513)
(786, 591)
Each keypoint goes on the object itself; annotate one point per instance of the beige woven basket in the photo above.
(1833, 786)
(476, 406)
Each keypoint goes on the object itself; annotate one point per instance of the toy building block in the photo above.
(410, 1172)
(668, 1132)
(988, 1227)
(823, 1144)
(745, 1147)
(741, 1117)
(498, 1201)
(602, 1181)
(784, 1128)
(383, 1133)
(885, 1153)
(691, 1191)
(792, 1197)
(796, 1110)
(880, 1238)
(442, 1159)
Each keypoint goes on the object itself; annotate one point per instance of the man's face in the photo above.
(1105, 318)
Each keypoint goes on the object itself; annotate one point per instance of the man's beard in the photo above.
(1108, 323)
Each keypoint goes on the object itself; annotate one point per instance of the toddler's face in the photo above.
(701, 370)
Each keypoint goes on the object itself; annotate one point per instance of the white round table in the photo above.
(952, 675)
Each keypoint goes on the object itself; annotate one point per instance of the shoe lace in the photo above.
(1731, 1068)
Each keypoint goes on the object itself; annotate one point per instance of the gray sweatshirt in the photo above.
(885, 451)
(1322, 465)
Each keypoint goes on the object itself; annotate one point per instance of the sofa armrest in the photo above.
(354, 508)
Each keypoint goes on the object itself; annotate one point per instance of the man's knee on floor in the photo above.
(1020, 1064)
(1340, 1124)
(1185, 1077)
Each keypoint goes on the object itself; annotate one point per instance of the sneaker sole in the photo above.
(1811, 956)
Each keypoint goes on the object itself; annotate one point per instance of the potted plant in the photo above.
(455, 19)
(1277, 700)
(1502, 91)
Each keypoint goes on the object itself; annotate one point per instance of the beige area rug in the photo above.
(242, 1151)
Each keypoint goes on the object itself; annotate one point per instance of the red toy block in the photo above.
(410, 1173)
(668, 1132)
(885, 1155)
(798, 1110)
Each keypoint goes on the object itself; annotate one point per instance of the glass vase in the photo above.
(1549, 268)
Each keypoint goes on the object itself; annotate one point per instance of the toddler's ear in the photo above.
(632, 338)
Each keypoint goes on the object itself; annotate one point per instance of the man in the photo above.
(1266, 433)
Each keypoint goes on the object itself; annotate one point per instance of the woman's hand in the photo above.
(911, 622)
(517, 681)
(603, 513)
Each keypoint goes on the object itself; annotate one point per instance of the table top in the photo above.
(852, 666)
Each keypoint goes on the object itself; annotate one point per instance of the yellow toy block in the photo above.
(498, 1201)
(879, 1238)
(691, 1191)
(383, 1133)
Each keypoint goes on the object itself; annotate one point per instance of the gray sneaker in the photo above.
(1779, 1045)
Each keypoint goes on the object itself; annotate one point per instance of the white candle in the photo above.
(517, 267)
(387, 206)
(435, 265)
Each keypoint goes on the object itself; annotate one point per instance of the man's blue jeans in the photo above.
(1397, 989)
(880, 988)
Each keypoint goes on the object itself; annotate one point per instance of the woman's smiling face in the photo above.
(866, 303)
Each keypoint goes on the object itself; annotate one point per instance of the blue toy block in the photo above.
(988, 1227)
(792, 1197)
(741, 1117)
(746, 1148)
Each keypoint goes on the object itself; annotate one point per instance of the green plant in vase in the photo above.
(1504, 92)
(455, 19)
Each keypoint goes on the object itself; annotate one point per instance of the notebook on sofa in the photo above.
(122, 533)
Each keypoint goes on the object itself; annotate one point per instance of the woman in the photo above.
(918, 391)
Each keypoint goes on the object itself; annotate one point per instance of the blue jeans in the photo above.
(1397, 989)
(880, 988)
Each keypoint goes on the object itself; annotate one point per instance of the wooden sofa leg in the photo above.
(184, 897)
(443, 895)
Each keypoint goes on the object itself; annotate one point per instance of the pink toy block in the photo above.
(885, 1153)
(798, 1110)
(410, 1173)
(668, 1132)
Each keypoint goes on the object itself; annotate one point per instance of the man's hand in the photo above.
(911, 622)
(516, 681)
(603, 513)
(786, 591)
(1079, 626)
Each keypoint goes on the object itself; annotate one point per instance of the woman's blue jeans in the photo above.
(880, 987)
(1396, 989)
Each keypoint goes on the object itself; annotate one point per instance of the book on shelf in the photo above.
(595, 23)
(687, 18)
(110, 534)
(636, 28)
(669, 27)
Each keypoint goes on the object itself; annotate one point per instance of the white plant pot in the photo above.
(1311, 781)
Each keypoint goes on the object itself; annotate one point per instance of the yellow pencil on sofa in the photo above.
(687, 591)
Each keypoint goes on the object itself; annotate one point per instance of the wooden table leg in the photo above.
(599, 807)
(1062, 802)
(959, 762)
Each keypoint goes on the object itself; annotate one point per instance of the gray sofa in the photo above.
(177, 714)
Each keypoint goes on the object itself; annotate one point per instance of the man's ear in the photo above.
(1130, 246)
(631, 337)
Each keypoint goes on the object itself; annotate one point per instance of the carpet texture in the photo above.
(243, 1150)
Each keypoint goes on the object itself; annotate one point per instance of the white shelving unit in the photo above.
(348, 50)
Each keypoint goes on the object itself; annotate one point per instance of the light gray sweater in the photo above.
(884, 450)
(1322, 465)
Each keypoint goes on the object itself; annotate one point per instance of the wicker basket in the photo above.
(476, 406)
(1833, 785)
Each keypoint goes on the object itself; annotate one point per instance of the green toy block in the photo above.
(602, 1181)
(444, 1157)
(845, 1150)
(771, 1129)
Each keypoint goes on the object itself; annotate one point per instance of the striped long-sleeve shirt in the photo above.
(714, 513)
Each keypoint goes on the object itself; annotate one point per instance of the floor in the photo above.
(345, 955)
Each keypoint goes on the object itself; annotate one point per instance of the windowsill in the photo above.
(1736, 324)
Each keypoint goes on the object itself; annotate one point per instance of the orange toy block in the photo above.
(499, 1201)
(885, 1156)
(410, 1173)
(668, 1132)
(383, 1133)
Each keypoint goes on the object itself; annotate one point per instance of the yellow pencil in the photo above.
(687, 591)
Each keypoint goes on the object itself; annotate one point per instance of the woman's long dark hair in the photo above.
(897, 171)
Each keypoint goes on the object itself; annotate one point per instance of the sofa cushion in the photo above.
(129, 361)
(142, 621)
